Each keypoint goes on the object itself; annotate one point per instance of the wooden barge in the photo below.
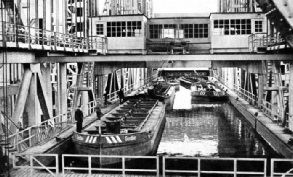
(132, 129)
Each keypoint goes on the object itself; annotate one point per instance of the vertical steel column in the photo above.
(65, 17)
(290, 99)
(62, 89)
(46, 72)
(37, 32)
(57, 16)
(261, 83)
(22, 95)
(75, 12)
(44, 15)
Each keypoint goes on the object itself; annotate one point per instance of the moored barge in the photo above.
(132, 129)
(206, 92)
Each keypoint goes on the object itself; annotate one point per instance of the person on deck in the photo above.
(79, 120)
(98, 112)
(121, 95)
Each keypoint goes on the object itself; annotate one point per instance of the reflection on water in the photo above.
(211, 130)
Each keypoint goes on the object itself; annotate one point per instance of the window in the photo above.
(201, 31)
(79, 12)
(79, 27)
(180, 31)
(169, 31)
(232, 27)
(156, 31)
(258, 26)
(99, 29)
(124, 29)
(188, 30)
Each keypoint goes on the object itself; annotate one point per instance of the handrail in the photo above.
(46, 130)
(27, 37)
(282, 174)
(35, 163)
(200, 171)
(263, 40)
(271, 111)
(198, 161)
(90, 168)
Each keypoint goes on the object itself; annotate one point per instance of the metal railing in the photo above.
(36, 162)
(30, 37)
(90, 168)
(88, 108)
(200, 170)
(246, 95)
(198, 166)
(46, 130)
(271, 111)
(274, 164)
(263, 40)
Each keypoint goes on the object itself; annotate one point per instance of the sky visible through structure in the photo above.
(185, 6)
(180, 6)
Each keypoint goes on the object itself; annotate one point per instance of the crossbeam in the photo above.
(139, 58)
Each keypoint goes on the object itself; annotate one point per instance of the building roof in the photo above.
(176, 15)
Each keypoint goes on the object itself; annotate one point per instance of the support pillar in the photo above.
(261, 83)
(31, 106)
(290, 99)
(46, 72)
(62, 90)
(22, 97)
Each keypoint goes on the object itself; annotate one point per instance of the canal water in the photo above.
(212, 130)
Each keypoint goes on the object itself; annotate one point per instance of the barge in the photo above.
(206, 92)
(186, 83)
(132, 129)
(164, 92)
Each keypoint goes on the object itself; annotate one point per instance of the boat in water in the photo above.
(163, 91)
(186, 83)
(132, 129)
(205, 91)
(175, 83)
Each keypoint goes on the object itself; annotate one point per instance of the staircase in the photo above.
(280, 13)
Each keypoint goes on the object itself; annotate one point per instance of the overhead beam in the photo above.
(152, 58)
(29, 57)
(249, 66)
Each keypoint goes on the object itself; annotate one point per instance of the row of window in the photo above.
(121, 29)
(236, 27)
(159, 31)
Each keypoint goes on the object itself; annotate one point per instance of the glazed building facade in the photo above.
(212, 33)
